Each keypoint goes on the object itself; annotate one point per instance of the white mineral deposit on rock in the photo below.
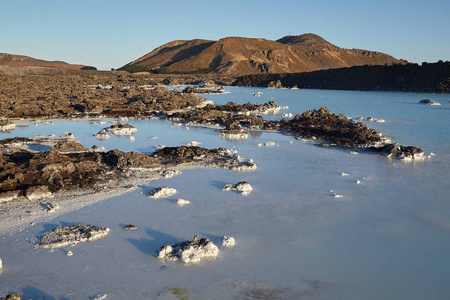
(159, 147)
(63, 236)
(131, 138)
(243, 187)
(102, 135)
(182, 202)
(267, 144)
(69, 253)
(162, 192)
(228, 241)
(37, 192)
(193, 143)
(189, 251)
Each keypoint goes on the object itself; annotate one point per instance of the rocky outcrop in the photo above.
(334, 129)
(402, 152)
(65, 147)
(122, 129)
(69, 96)
(162, 192)
(37, 175)
(63, 236)
(189, 251)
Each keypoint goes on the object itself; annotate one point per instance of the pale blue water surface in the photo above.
(386, 238)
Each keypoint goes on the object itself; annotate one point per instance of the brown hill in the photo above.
(12, 60)
(239, 56)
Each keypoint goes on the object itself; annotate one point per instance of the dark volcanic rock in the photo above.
(337, 130)
(69, 147)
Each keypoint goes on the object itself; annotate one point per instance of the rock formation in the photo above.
(189, 251)
(63, 236)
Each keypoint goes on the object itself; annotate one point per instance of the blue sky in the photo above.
(109, 34)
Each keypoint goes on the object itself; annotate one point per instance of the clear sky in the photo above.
(110, 33)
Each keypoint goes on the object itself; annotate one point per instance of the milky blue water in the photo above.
(386, 238)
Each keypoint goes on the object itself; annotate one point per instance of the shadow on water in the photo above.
(218, 184)
(31, 292)
(153, 245)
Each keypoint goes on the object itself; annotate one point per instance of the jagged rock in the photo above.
(429, 102)
(189, 251)
(63, 236)
(337, 130)
(119, 129)
(102, 135)
(248, 166)
(69, 147)
(37, 192)
(162, 192)
(130, 227)
(243, 187)
(121, 160)
(228, 241)
(402, 152)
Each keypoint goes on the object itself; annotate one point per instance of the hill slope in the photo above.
(12, 60)
(239, 56)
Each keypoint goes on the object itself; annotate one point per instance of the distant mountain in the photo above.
(12, 60)
(240, 56)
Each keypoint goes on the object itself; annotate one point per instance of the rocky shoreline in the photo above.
(68, 165)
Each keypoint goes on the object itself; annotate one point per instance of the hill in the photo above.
(240, 56)
(21, 61)
(428, 77)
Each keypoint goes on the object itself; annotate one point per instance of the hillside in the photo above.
(240, 56)
(12, 60)
(428, 77)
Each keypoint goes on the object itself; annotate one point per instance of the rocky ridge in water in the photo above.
(69, 166)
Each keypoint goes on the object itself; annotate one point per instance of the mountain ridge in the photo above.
(241, 56)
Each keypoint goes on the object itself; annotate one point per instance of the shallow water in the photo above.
(386, 238)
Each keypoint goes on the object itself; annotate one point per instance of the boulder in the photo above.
(189, 251)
